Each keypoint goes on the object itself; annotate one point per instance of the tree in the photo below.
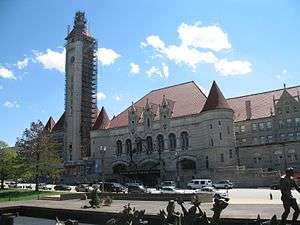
(39, 149)
(7, 164)
(3, 144)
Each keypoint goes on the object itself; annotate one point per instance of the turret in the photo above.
(218, 122)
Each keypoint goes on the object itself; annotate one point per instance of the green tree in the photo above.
(3, 144)
(7, 164)
(39, 149)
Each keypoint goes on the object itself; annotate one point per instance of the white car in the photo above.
(226, 184)
(199, 183)
(168, 190)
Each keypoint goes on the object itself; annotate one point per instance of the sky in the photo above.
(247, 46)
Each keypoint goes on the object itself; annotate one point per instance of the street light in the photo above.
(177, 168)
(102, 150)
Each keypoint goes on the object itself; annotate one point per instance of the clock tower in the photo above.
(80, 90)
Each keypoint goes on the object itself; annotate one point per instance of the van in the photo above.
(199, 183)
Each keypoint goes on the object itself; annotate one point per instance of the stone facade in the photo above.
(173, 133)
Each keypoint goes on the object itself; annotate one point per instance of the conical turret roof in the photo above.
(102, 121)
(215, 99)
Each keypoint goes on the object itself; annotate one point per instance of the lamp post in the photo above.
(177, 168)
(102, 150)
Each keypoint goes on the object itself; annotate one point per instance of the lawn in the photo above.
(22, 195)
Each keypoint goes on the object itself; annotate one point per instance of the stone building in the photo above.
(178, 133)
(172, 133)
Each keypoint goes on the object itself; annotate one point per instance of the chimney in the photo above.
(248, 109)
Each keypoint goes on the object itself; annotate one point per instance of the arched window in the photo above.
(172, 141)
(160, 142)
(139, 146)
(184, 140)
(149, 144)
(119, 147)
(128, 146)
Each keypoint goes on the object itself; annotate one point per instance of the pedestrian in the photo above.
(287, 183)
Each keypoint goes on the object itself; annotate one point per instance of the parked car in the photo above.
(168, 190)
(274, 187)
(83, 188)
(199, 183)
(62, 187)
(11, 184)
(167, 184)
(47, 187)
(112, 187)
(226, 184)
(207, 189)
(136, 189)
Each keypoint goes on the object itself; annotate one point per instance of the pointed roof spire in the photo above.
(132, 107)
(59, 126)
(102, 120)
(50, 124)
(164, 101)
(80, 26)
(215, 99)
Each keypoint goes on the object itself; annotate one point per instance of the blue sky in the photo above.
(246, 46)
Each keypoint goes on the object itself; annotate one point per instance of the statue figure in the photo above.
(95, 200)
(171, 217)
(191, 216)
(287, 183)
(273, 221)
(220, 203)
(129, 216)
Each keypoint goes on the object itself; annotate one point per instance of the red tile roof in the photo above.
(261, 103)
(185, 99)
(102, 120)
(215, 99)
(50, 124)
(59, 126)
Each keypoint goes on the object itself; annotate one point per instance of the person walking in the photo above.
(287, 183)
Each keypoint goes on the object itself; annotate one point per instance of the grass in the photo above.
(22, 195)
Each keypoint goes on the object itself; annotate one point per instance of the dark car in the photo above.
(136, 189)
(62, 187)
(274, 186)
(112, 187)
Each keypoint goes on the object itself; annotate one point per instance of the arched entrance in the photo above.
(119, 168)
(186, 168)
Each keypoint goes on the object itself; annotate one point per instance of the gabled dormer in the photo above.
(165, 113)
(287, 104)
(148, 116)
(132, 119)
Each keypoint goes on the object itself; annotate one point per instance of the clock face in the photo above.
(72, 59)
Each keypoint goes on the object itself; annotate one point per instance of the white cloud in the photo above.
(6, 73)
(117, 98)
(21, 64)
(155, 42)
(134, 68)
(199, 44)
(189, 56)
(165, 70)
(107, 56)
(10, 104)
(206, 37)
(180, 54)
(153, 71)
(101, 96)
(52, 59)
(235, 67)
